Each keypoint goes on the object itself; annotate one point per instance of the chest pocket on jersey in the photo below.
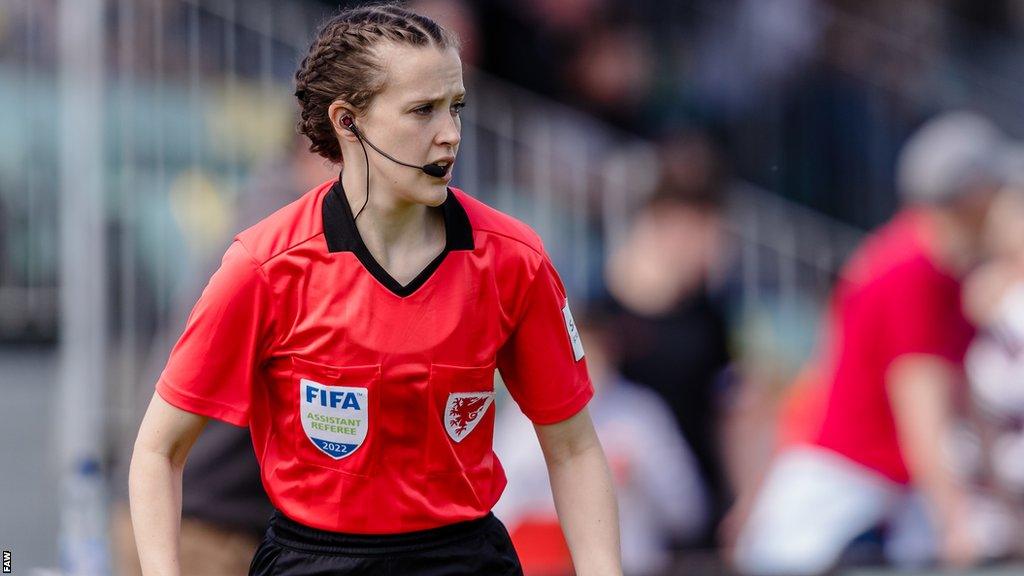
(335, 411)
(461, 419)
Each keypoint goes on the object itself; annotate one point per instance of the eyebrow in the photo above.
(432, 99)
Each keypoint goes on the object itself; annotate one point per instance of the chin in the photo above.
(434, 195)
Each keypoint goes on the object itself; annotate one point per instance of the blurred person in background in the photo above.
(671, 331)
(611, 75)
(224, 507)
(662, 500)
(994, 300)
(531, 43)
(817, 105)
(890, 364)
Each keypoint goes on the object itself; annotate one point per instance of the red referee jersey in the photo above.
(370, 403)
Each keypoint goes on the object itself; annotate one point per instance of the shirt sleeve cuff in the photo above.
(563, 411)
(200, 406)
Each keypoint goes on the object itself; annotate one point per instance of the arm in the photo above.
(154, 483)
(584, 498)
(920, 391)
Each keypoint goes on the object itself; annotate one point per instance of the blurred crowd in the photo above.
(808, 98)
(898, 441)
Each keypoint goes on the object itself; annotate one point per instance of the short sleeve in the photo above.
(923, 316)
(542, 362)
(211, 368)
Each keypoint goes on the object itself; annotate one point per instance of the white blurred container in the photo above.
(84, 545)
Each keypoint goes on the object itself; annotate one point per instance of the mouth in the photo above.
(445, 162)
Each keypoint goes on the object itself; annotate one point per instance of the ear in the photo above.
(336, 111)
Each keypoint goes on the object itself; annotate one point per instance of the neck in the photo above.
(387, 222)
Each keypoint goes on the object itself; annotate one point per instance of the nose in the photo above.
(450, 133)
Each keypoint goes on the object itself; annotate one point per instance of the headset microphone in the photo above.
(435, 170)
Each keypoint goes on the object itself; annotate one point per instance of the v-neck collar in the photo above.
(342, 236)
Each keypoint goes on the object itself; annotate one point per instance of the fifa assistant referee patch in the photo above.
(574, 333)
(334, 417)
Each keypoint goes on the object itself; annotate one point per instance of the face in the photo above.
(415, 119)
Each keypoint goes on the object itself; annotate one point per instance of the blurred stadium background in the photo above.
(135, 132)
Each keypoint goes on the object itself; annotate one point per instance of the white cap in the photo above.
(949, 156)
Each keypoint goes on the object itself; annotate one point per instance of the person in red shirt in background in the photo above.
(890, 365)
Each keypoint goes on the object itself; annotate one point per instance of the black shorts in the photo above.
(475, 547)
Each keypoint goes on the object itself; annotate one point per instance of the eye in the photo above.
(457, 107)
(424, 110)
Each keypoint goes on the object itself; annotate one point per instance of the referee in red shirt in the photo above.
(356, 332)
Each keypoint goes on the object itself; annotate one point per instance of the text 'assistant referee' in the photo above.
(334, 417)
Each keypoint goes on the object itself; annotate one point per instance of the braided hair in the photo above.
(342, 63)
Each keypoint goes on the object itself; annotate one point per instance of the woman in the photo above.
(356, 334)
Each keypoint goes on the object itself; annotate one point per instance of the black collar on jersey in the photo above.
(342, 236)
